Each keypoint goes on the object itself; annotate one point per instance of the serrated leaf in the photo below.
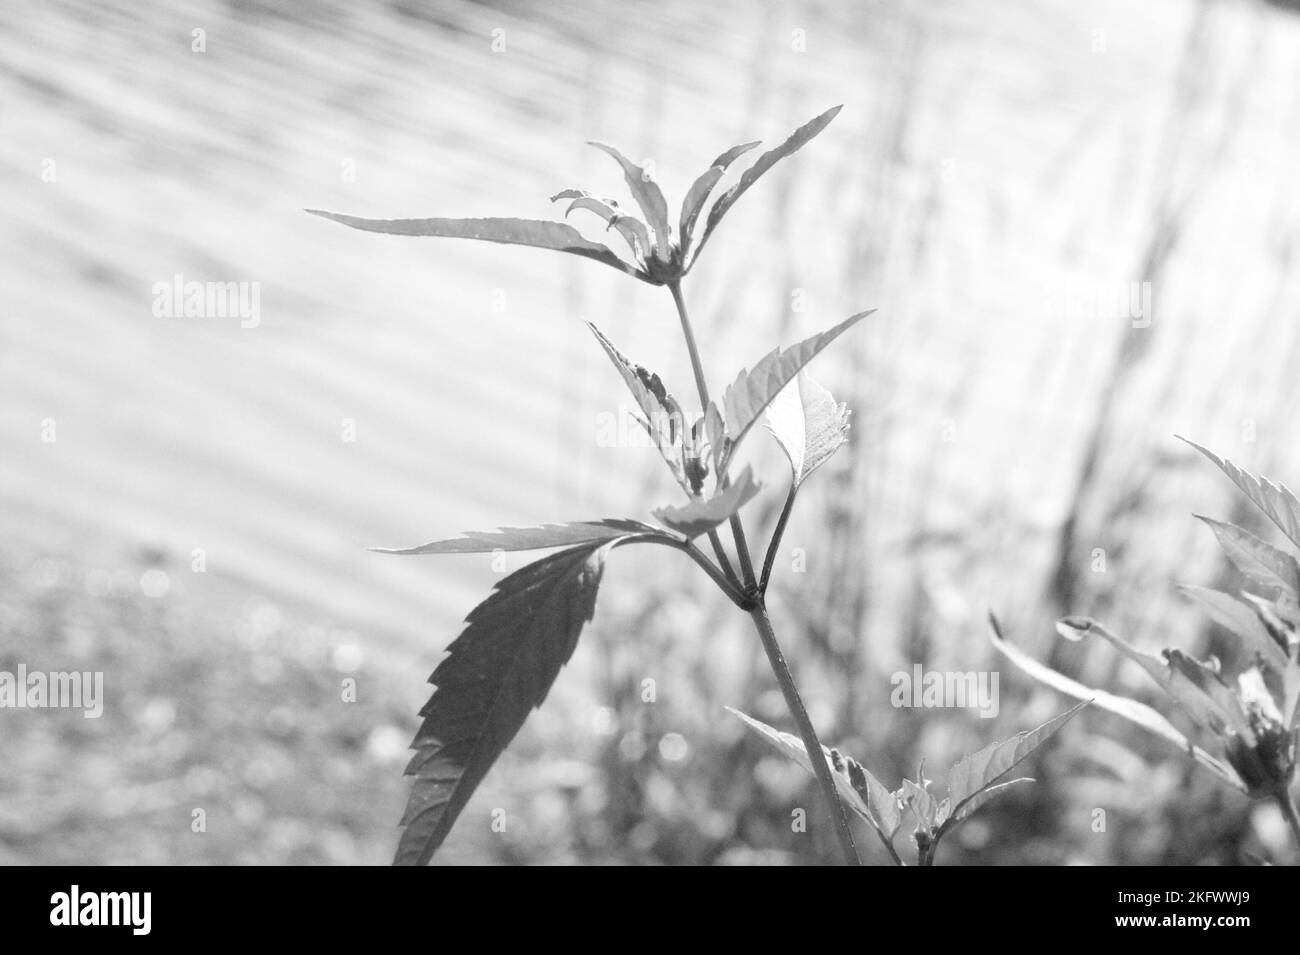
(861, 791)
(700, 515)
(496, 672)
(629, 227)
(766, 161)
(1275, 500)
(808, 423)
(1137, 713)
(528, 538)
(1239, 618)
(1258, 560)
(754, 389)
(535, 233)
(698, 194)
(971, 776)
(648, 196)
(664, 419)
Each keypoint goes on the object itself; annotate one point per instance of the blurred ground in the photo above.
(996, 181)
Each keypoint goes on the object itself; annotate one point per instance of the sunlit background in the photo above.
(1077, 223)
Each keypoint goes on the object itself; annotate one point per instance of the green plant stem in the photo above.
(1288, 807)
(775, 543)
(806, 732)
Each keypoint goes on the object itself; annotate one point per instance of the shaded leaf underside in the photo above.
(496, 672)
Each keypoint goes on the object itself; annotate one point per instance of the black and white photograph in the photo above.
(593, 433)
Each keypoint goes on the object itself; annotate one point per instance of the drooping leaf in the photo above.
(854, 783)
(536, 233)
(809, 425)
(698, 194)
(1178, 678)
(629, 227)
(648, 196)
(528, 538)
(1239, 618)
(1137, 713)
(496, 672)
(1275, 500)
(664, 419)
(701, 515)
(1258, 560)
(754, 389)
(972, 776)
(761, 165)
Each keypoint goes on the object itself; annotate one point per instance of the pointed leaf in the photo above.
(648, 196)
(536, 233)
(972, 775)
(1260, 561)
(809, 425)
(761, 165)
(1275, 500)
(698, 194)
(754, 389)
(700, 516)
(859, 790)
(664, 419)
(1137, 713)
(529, 538)
(497, 671)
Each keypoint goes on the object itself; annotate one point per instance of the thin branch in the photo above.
(734, 594)
(775, 543)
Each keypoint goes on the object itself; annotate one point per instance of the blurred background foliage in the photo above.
(999, 180)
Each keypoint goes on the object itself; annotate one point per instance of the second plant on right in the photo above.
(1247, 712)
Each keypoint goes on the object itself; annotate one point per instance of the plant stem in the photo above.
(1287, 805)
(806, 731)
(696, 365)
(775, 543)
(702, 387)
